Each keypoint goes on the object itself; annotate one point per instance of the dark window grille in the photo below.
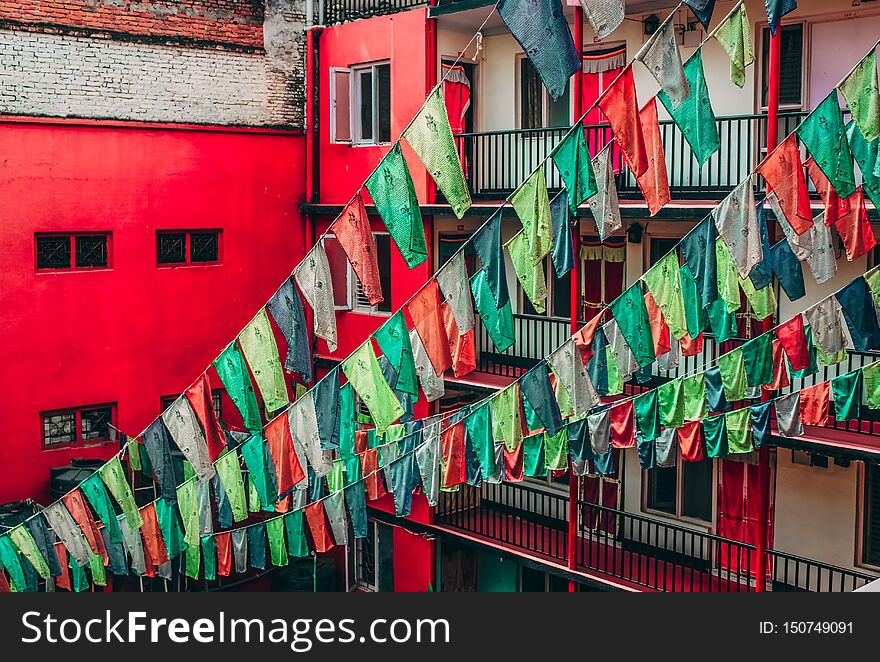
(366, 557)
(59, 428)
(91, 251)
(69, 426)
(53, 252)
(663, 489)
(204, 246)
(96, 423)
(171, 247)
(871, 547)
(791, 63)
(383, 83)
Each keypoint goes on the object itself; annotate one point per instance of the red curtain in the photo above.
(457, 95)
(738, 500)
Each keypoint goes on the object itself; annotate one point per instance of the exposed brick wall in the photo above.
(68, 76)
(238, 22)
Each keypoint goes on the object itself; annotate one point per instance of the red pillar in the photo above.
(575, 300)
(764, 453)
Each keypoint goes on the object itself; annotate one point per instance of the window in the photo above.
(791, 66)
(360, 104)
(537, 108)
(535, 581)
(365, 570)
(871, 533)
(684, 490)
(67, 427)
(216, 400)
(72, 251)
(558, 293)
(177, 247)
(383, 256)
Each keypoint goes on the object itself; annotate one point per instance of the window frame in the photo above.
(862, 521)
(356, 128)
(546, 101)
(78, 441)
(188, 262)
(805, 65)
(359, 581)
(334, 139)
(71, 238)
(679, 496)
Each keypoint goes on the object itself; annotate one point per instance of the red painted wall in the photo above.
(413, 562)
(133, 333)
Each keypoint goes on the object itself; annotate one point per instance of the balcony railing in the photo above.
(535, 337)
(340, 11)
(497, 161)
(637, 550)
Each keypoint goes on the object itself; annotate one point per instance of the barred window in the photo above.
(59, 428)
(72, 251)
(91, 251)
(179, 247)
(96, 423)
(68, 427)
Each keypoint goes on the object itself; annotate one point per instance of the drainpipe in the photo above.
(575, 300)
(761, 545)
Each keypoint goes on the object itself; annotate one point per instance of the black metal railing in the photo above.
(497, 161)
(535, 337)
(340, 11)
(795, 573)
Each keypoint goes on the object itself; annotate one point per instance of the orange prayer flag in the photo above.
(654, 182)
(461, 345)
(514, 464)
(317, 520)
(452, 446)
(690, 441)
(288, 470)
(620, 106)
(75, 504)
(373, 484)
(583, 339)
(785, 176)
(202, 402)
(814, 404)
(659, 329)
(154, 547)
(622, 420)
(424, 308)
(353, 231)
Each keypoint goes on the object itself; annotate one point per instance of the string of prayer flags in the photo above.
(288, 470)
(184, 428)
(653, 183)
(430, 137)
(620, 106)
(858, 309)
(532, 205)
(736, 219)
(157, 442)
(201, 401)
(316, 284)
(540, 28)
(660, 55)
(846, 392)
(784, 173)
(363, 372)
(285, 307)
(867, 155)
(487, 244)
(432, 385)
(233, 373)
(356, 502)
(258, 346)
(604, 205)
(452, 279)
(632, 318)
(702, 9)
(824, 135)
(506, 418)
(860, 89)
(394, 195)
(605, 16)
(776, 9)
(572, 159)
(694, 116)
(497, 321)
(529, 272)
(733, 35)
(393, 339)
(663, 280)
(354, 234)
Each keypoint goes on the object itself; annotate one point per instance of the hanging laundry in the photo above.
(184, 428)
(285, 307)
(572, 159)
(620, 106)
(733, 35)
(604, 204)
(661, 57)
(653, 183)
(784, 173)
(694, 116)
(258, 346)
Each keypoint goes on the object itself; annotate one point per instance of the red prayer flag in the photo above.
(785, 176)
(514, 464)
(372, 479)
(353, 231)
(690, 441)
(224, 553)
(314, 513)
(780, 370)
(659, 329)
(620, 106)
(623, 431)
(62, 581)
(461, 346)
(826, 192)
(583, 339)
(854, 227)
(202, 403)
(361, 441)
(424, 308)
(792, 338)
(654, 182)
(691, 346)
(81, 514)
(4, 584)
(814, 404)
(154, 547)
(452, 444)
(288, 470)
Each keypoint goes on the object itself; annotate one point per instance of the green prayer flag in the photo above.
(534, 465)
(728, 276)
(99, 573)
(615, 380)
(862, 96)
(812, 352)
(757, 356)
(563, 400)
(21, 537)
(99, 500)
(722, 322)
(556, 450)
(867, 155)
(259, 348)
(670, 399)
(391, 188)
(296, 536)
(763, 301)
(393, 339)
(647, 414)
(233, 373)
(498, 322)
(260, 478)
(134, 454)
(533, 421)
(694, 116)
(572, 159)
(824, 136)
(733, 375)
(336, 477)
(871, 378)
(347, 421)
(695, 406)
(632, 317)
(430, 136)
(529, 273)
(847, 393)
(209, 553)
(733, 35)
(479, 431)
(113, 476)
(365, 376)
(532, 204)
(78, 578)
(715, 435)
(193, 560)
(169, 526)
(506, 423)
(10, 561)
(277, 548)
(739, 431)
(188, 503)
(663, 280)
(229, 472)
(831, 359)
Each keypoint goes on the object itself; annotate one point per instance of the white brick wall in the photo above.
(69, 76)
